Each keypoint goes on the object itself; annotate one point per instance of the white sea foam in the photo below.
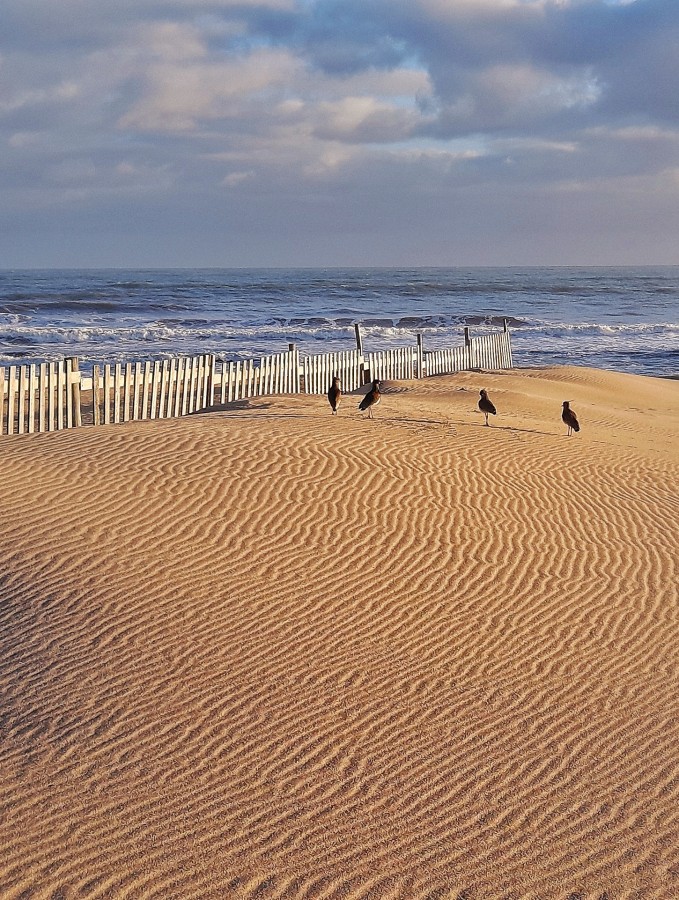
(626, 319)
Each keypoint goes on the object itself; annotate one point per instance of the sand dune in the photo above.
(265, 652)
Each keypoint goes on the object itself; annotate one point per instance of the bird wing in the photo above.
(570, 419)
(368, 400)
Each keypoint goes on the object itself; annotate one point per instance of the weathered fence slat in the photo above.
(179, 382)
(251, 386)
(96, 399)
(231, 384)
(12, 387)
(192, 384)
(186, 380)
(51, 399)
(212, 369)
(69, 393)
(76, 388)
(31, 398)
(155, 386)
(237, 382)
(206, 381)
(107, 394)
(117, 387)
(163, 389)
(224, 388)
(198, 384)
(127, 392)
(61, 388)
(22, 399)
(171, 378)
(42, 396)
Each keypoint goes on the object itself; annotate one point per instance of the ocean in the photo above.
(626, 319)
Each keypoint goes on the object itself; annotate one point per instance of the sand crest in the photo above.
(268, 652)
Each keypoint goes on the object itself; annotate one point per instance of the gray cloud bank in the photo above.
(348, 132)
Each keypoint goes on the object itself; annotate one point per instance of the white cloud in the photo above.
(177, 97)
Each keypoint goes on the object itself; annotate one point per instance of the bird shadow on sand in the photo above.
(511, 428)
(403, 421)
(239, 405)
(454, 426)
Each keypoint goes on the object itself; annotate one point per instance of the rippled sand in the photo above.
(265, 652)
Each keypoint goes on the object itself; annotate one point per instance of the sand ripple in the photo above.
(265, 652)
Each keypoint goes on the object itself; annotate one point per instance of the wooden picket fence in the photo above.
(39, 398)
(57, 395)
(277, 374)
(318, 371)
(398, 364)
(159, 390)
(486, 351)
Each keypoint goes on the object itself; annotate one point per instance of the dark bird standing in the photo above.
(486, 406)
(372, 398)
(335, 394)
(569, 418)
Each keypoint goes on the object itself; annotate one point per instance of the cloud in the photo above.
(282, 100)
(177, 95)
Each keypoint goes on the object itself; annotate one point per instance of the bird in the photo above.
(372, 398)
(569, 418)
(486, 406)
(335, 394)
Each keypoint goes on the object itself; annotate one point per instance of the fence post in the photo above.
(420, 358)
(75, 391)
(363, 373)
(467, 348)
(359, 339)
(96, 409)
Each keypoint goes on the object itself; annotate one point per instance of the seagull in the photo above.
(335, 394)
(486, 406)
(372, 398)
(569, 418)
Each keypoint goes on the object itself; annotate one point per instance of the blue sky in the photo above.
(339, 132)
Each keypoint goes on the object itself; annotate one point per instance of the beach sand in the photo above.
(267, 652)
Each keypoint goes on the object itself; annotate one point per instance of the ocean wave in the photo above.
(13, 329)
(622, 318)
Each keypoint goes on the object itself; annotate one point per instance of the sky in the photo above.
(156, 133)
